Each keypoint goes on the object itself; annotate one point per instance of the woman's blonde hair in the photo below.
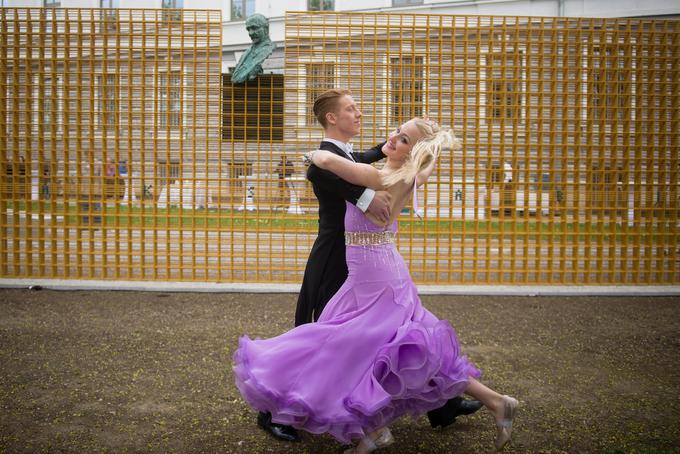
(434, 139)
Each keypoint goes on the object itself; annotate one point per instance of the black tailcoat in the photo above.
(326, 268)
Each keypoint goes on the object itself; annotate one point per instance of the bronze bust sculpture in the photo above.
(249, 66)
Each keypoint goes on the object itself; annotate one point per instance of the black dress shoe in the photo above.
(286, 433)
(467, 407)
(446, 415)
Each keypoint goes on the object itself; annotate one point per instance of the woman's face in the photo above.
(401, 141)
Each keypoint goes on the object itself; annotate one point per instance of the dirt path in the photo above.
(129, 371)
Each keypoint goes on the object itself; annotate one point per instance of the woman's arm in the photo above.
(352, 172)
(424, 174)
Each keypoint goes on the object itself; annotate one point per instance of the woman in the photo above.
(382, 354)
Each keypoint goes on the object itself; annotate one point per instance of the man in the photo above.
(249, 66)
(326, 268)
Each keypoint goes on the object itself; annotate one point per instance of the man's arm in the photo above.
(370, 156)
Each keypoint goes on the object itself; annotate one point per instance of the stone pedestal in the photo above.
(249, 184)
(296, 185)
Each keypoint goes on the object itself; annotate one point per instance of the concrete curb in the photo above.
(215, 287)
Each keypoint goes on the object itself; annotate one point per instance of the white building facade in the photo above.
(235, 38)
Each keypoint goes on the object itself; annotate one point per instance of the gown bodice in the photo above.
(357, 221)
(372, 262)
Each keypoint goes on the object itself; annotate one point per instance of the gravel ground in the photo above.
(151, 372)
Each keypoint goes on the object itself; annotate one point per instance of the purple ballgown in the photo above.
(375, 354)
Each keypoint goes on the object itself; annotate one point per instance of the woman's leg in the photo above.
(374, 440)
(490, 398)
(504, 409)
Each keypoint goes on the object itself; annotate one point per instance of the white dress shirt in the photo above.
(367, 197)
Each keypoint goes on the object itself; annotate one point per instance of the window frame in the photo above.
(108, 102)
(108, 15)
(168, 96)
(168, 171)
(505, 94)
(47, 102)
(409, 85)
(611, 86)
(399, 3)
(319, 77)
(170, 9)
(247, 8)
(322, 5)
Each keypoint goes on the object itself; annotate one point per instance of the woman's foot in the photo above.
(378, 439)
(506, 413)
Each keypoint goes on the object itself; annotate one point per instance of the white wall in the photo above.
(205, 4)
(621, 8)
(352, 5)
(273, 8)
(234, 35)
(140, 3)
(189, 4)
(234, 32)
(277, 8)
(573, 8)
(23, 3)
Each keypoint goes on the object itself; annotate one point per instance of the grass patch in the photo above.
(151, 216)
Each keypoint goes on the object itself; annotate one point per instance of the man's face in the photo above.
(257, 32)
(347, 117)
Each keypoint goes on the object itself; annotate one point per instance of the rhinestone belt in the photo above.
(369, 238)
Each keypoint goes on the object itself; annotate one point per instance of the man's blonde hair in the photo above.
(327, 102)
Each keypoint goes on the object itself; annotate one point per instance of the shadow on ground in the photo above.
(135, 371)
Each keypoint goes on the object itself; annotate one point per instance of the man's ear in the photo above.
(331, 118)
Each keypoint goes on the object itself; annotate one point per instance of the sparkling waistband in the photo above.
(369, 238)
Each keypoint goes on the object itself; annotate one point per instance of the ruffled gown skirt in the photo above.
(374, 355)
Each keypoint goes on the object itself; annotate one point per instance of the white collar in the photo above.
(346, 147)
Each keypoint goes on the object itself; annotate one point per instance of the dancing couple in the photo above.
(374, 353)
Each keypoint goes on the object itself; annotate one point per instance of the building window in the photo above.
(46, 110)
(107, 101)
(51, 3)
(406, 2)
(50, 104)
(49, 19)
(495, 172)
(504, 88)
(253, 111)
(241, 9)
(168, 171)
(320, 77)
(406, 85)
(611, 84)
(320, 5)
(173, 6)
(169, 99)
(238, 169)
(109, 15)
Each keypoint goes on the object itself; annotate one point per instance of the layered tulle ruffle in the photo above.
(374, 355)
(417, 372)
